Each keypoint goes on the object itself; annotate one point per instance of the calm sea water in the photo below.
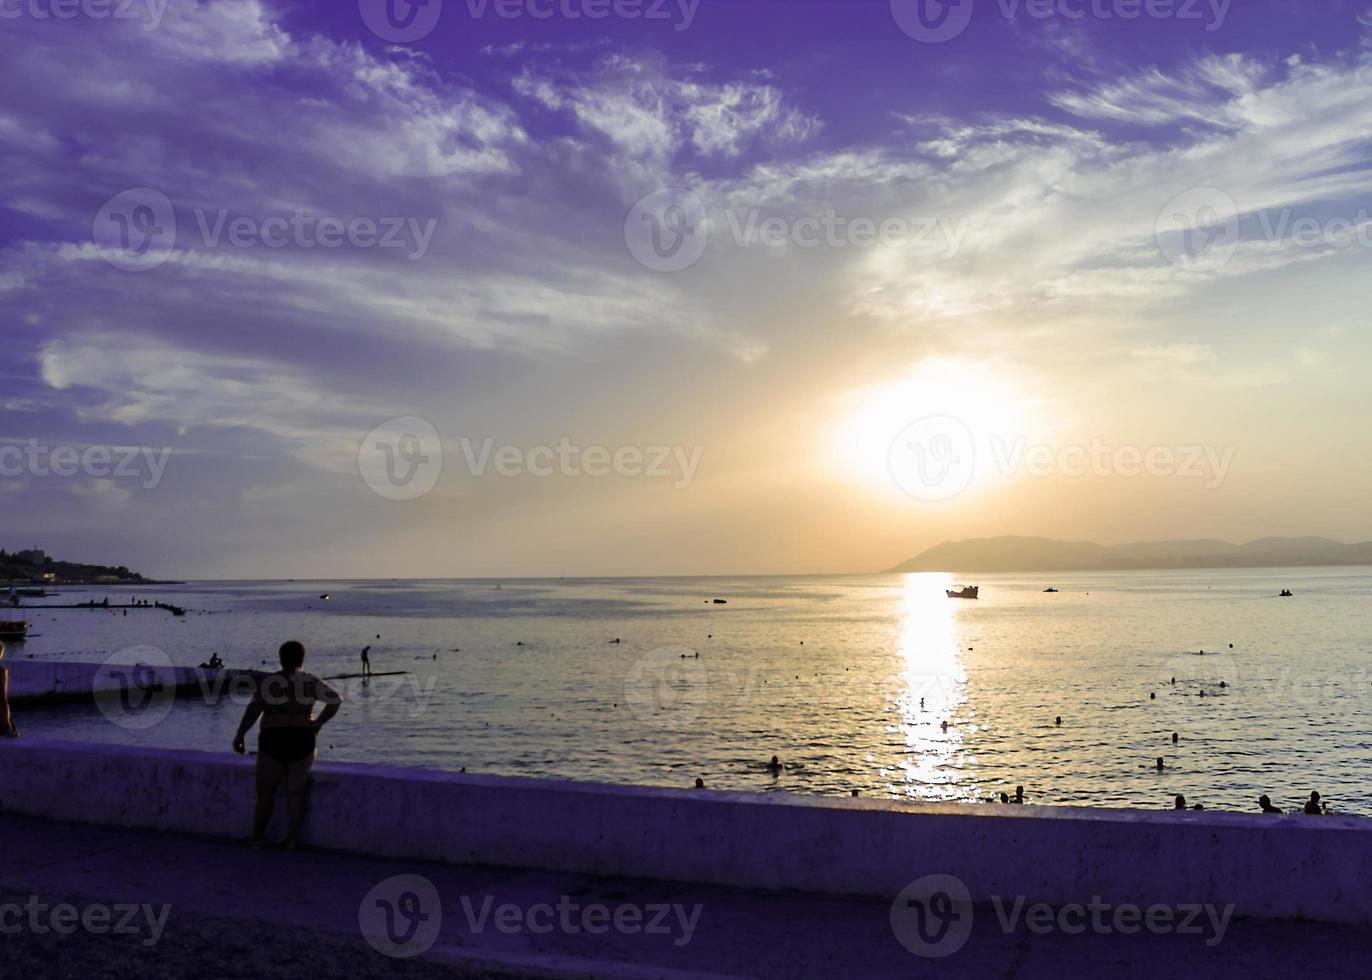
(522, 678)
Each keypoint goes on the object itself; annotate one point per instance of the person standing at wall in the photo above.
(7, 729)
(287, 745)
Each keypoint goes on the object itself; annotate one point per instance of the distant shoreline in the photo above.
(1018, 554)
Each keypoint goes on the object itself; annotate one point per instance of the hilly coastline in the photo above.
(1020, 554)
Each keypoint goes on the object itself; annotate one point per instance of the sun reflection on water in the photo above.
(935, 692)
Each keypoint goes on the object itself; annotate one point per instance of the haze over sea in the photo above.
(826, 672)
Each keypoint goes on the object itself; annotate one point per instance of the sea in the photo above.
(878, 684)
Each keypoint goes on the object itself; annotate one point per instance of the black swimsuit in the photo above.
(287, 746)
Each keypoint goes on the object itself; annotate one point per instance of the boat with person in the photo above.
(966, 592)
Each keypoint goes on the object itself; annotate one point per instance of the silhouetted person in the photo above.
(700, 783)
(1058, 720)
(1265, 802)
(1313, 807)
(1174, 738)
(1005, 797)
(286, 747)
(1159, 762)
(7, 729)
(775, 766)
(1019, 794)
(366, 661)
(1180, 802)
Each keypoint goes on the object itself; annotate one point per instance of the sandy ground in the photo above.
(197, 946)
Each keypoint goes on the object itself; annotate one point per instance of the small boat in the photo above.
(1285, 594)
(1050, 590)
(14, 629)
(966, 592)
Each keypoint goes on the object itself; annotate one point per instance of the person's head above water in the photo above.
(292, 654)
(775, 761)
(1180, 802)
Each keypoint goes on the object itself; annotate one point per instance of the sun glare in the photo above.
(968, 411)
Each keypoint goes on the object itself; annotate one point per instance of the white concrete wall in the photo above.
(1267, 866)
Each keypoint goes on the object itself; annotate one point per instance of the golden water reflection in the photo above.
(935, 691)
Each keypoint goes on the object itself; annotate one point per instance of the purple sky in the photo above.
(506, 154)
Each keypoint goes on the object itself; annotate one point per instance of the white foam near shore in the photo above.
(1286, 867)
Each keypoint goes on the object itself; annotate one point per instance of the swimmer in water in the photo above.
(1159, 763)
(1313, 806)
(1019, 794)
(1265, 802)
(775, 767)
(1179, 803)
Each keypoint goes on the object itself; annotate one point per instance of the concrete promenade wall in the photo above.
(1267, 866)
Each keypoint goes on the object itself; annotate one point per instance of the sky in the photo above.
(293, 288)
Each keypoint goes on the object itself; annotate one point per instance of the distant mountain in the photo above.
(1015, 554)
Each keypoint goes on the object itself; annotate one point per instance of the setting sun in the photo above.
(967, 413)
